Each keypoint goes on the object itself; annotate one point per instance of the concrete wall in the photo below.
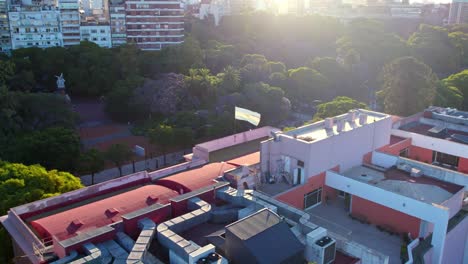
(455, 203)
(455, 246)
(384, 216)
(383, 159)
(154, 175)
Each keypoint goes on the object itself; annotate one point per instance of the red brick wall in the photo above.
(295, 196)
(381, 215)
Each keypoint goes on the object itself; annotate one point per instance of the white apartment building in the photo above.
(97, 33)
(70, 21)
(5, 41)
(35, 26)
(458, 12)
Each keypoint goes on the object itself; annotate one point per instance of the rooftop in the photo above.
(69, 223)
(437, 131)
(422, 188)
(334, 126)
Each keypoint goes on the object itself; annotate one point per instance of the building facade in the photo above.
(97, 33)
(70, 21)
(5, 41)
(153, 25)
(117, 22)
(35, 26)
(458, 12)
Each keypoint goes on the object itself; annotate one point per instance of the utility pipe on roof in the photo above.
(94, 254)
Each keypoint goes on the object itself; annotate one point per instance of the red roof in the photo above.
(197, 178)
(249, 159)
(100, 213)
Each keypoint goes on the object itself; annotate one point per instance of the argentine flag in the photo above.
(247, 115)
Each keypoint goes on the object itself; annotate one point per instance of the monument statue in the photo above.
(60, 81)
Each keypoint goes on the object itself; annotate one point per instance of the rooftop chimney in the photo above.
(362, 119)
(340, 125)
(328, 123)
(351, 116)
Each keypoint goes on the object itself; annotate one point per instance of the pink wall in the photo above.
(454, 249)
(463, 165)
(381, 215)
(295, 196)
(420, 154)
(396, 148)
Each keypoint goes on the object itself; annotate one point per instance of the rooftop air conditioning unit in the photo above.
(415, 172)
(320, 247)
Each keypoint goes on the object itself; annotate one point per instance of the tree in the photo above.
(448, 96)
(53, 148)
(307, 84)
(230, 80)
(339, 105)
(409, 86)
(334, 72)
(118, 154)
(163, 137)
(459, 81)
(91, 161)
(20, 184)
(6, 71)
(184, 137)
(119, 103)
(269, 101)
(432, 46)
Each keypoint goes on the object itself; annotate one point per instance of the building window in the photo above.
(313, 198)
(444, 159)
(404, 153)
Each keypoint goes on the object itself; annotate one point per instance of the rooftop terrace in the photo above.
(421, 188)
(334, 126)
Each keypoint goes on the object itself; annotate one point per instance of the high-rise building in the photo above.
(5, 41)
(117, 22)
(70, 21)
(98, 33)
(153, 25)
(458, 12)
(34, 25)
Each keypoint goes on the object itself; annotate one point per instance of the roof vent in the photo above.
(112, 211)
(328, 123)
(151, 199)
(362, 119)
(76, 223)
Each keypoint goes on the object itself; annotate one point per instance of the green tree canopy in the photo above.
(53, 148)
(432, 45)
(20, 184)
(339, 105)
(409, 86)
(118, 154)
(459, 81)
(91, 161)
(163, 137)
(307, 84)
